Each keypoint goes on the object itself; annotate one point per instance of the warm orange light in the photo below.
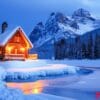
(29, 88)
(9, 49)
(33, 56)
(35, 91)
(22, 49)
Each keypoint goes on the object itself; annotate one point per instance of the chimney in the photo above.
(4, 27)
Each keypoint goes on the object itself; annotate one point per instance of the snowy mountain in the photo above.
(37, 32)
(59, 26)
(81, 15)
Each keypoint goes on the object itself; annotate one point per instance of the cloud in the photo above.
(93, 6)
(91, 3)
(87, 2)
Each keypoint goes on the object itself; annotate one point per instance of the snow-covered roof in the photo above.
(4, 37)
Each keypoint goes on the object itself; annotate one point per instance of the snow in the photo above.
(41, 41)
(43, 96)
(4, 37)
(83, 28)
(72, 32)
(35, 69)
(74, 87)
(81, 63)
(23, 64)
(77, 87)
(16, 94)
(8, 93)
(2, 73)
(49, 68)
(67, 88)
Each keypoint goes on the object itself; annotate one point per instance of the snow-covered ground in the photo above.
(7, 93)
(74, 87)
(82, 63)
(43, 96)
(35, 69)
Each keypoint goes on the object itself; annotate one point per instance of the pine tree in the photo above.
(89, 47)
(97, 46)
(83, 50)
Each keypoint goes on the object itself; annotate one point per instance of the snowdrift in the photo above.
(33, 70)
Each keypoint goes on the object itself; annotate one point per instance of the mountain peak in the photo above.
(37, 32)
(83, 16)
(40, 24)
(59, 25)
(81, 13)
(52, 14)
(52, 22)
(60, 17)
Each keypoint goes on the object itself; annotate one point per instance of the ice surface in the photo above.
(43, 96)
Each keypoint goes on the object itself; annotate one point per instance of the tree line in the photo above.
(81, 47)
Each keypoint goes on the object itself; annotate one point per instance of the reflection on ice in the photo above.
(41, 85)
(28, 88)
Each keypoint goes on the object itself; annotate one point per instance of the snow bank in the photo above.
(2, 73)
(16, 94)
(40, 72)
(35, 69)
(8, 93)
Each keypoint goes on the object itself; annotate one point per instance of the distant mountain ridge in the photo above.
(59, 27)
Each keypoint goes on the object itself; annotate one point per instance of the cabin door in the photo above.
(16, 51)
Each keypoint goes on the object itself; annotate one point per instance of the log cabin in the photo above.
(14, 45)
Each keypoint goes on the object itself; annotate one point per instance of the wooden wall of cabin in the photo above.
(17, 39)
(17, 42)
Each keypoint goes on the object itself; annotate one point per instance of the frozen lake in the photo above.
(59, 86)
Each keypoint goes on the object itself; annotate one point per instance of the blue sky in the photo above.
(28, 13)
